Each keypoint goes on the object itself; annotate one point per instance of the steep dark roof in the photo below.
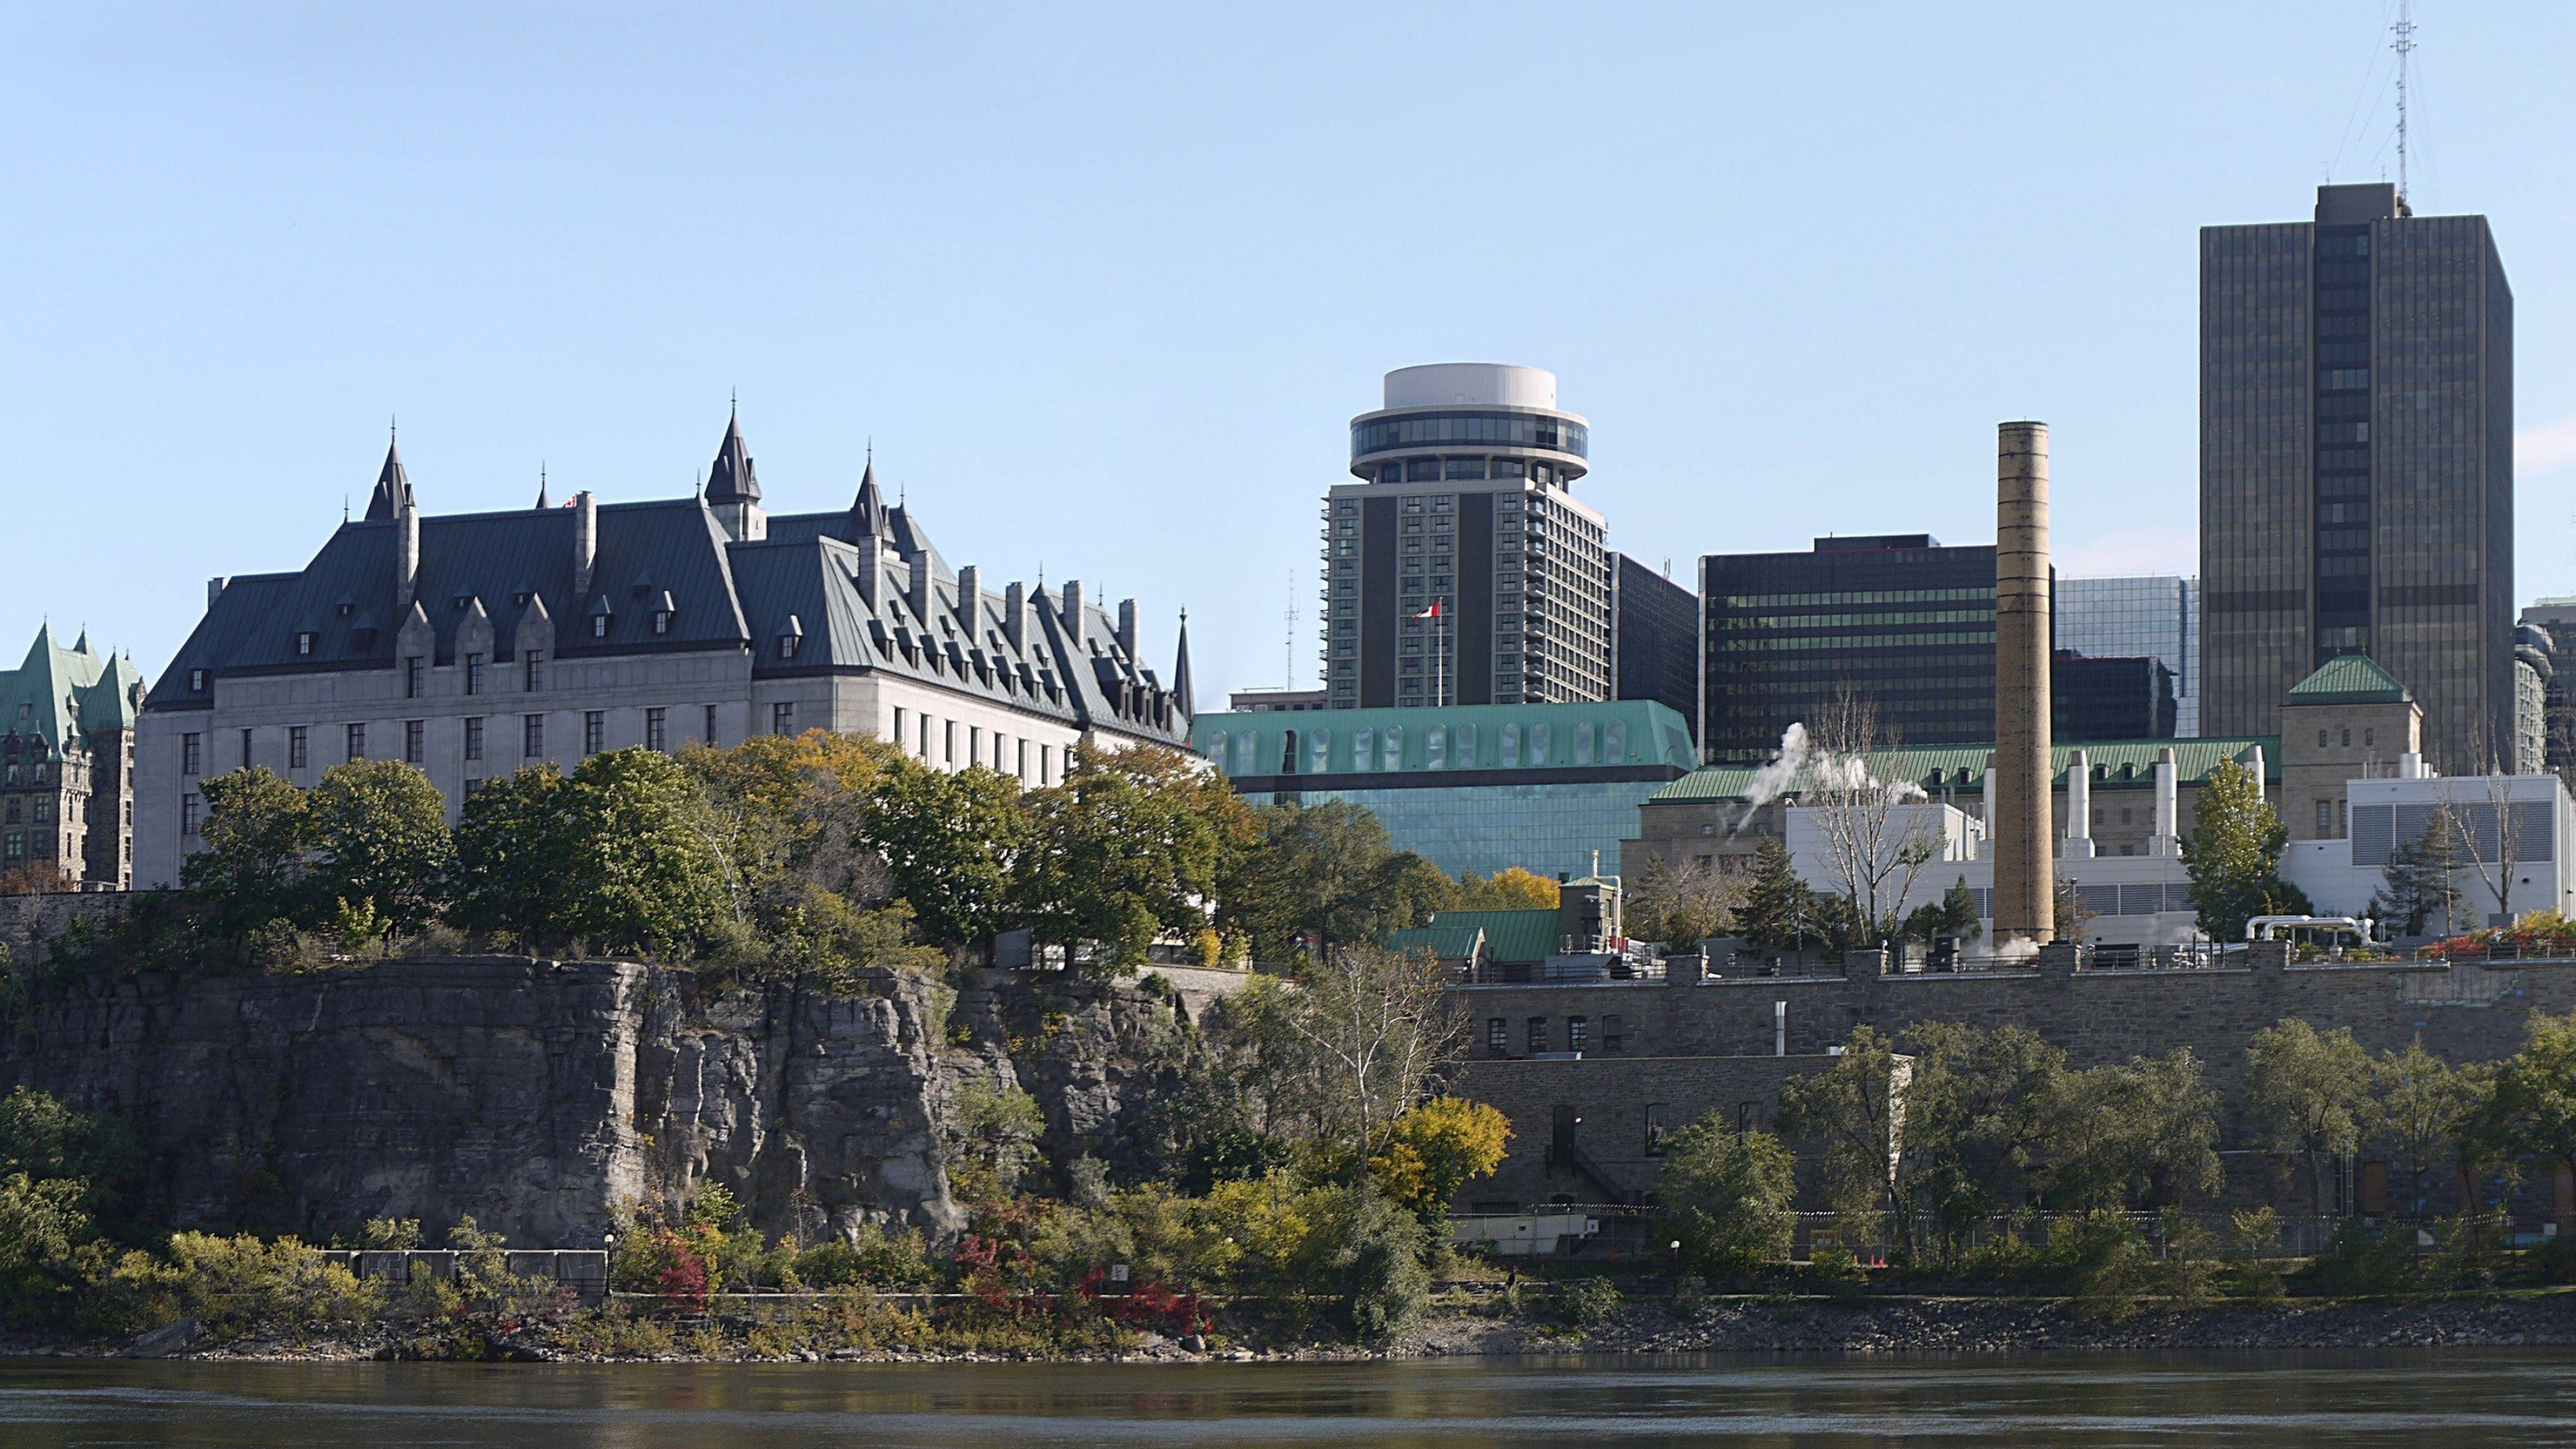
(393, 486)
(731, 480)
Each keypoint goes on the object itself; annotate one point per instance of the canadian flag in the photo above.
(1431, 613)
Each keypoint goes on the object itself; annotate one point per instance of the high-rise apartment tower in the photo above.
(2356, 475)
(1460, 569)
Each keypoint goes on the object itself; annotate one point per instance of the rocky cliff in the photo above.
(534, 1095)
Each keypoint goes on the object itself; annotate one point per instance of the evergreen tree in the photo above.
(2234, 855)
(2419, 889)
(1780, 911)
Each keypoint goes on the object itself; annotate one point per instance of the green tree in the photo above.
(641, 870)
(2309, 1093)
(2419, 887)
(250, 870)
(380, 840)
(2424, 1106)
(48, 1141)
(1130, 847)
(1727, 1197)
(951, 841)
(2141, 1133)
(1780, 912)
(514, 854)
(2534, 1100)
(1325, 873)
(1955, 914)
(1849, 1111)
(1979, 1111)
(2234, 855)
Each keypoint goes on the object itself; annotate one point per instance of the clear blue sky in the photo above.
(1106, 283)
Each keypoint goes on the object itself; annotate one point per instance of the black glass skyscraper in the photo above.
(2356, 478)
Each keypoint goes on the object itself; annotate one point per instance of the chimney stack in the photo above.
(1072, 611)
(2025, 883)
(1127, 627)
(1015, 617)
(2079, 807)
(970, 596)
(585, 541)
(215, 590)
(2168, 837)
(406, 554)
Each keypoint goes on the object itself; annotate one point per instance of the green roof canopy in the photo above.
(1512, 937)
(1629, 733)
(2349, 679)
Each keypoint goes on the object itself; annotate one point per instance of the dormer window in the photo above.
(599, 626)
(304, 641)
(196, 681)
(661, 621)
(791, 637)
(787, 646)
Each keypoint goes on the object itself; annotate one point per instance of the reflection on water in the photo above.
(2461, 1399)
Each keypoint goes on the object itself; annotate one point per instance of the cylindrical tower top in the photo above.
(1488, 384)
(1475, 420)
(2024, 897)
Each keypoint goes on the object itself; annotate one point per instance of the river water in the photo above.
(2445, 1400)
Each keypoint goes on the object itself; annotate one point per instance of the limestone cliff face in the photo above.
(534, 1095)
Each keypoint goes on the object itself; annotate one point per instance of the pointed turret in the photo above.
(869, 510)
(1181, 672)
(393, 486)
(542, 501)
(733, 489)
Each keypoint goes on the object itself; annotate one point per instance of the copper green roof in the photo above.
(1937, 768)
(1440, 943)
(61, 693)
(2349, 679)
(1511, 937)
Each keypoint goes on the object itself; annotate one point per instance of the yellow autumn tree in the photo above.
(1437, 1148)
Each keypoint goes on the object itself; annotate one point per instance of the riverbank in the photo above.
(1751, 1326)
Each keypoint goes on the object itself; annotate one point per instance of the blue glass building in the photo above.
(1472, 788)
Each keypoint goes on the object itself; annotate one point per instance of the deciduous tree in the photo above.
(2233, 855)
(380, 841)
(2309, 1093)
(1727, 1197)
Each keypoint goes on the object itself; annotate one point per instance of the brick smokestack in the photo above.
(2025, 886)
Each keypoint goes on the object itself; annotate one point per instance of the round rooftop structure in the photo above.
(1470, 420)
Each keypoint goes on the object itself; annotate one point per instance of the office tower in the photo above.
(2356, 486)
(1654, 638)
(2555, 620)
(2154, 618)
(2119, 697)
(1460, 569)
(1894, 619)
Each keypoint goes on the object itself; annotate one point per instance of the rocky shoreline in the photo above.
(1876, 1325)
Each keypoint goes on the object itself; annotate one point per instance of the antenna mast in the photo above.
(1291, 681)
(2404, 45)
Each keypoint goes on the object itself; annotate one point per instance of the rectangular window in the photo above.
(1498, 1035)
(898, 726)
(415, 732)
(948, 742)
(412, 669)
(782, 717)
(532, 665)
(187, 815)
(594, 731)
(1610, 1039)
(1655, 1129)
(2325, 820)
(245, 744)
(1046, 762)
(532, 735)
(474, 739)
(473, 674)
(191, 756)
(1578, 1033)
(657, 729)
(921, 750)
(1537, 1034)
(974, 745)
(711, 724)
(357, 741)
(1023, 770)
(298, 744)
